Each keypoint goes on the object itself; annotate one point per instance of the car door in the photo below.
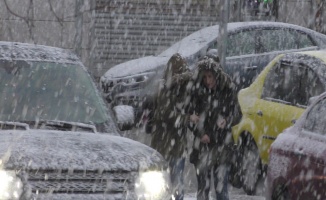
(309, 155)
(277, 108)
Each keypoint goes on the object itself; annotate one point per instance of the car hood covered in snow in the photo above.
(65, 150)
(136, 66)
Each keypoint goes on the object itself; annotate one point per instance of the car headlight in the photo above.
(129, 80)
(11, 186)
(138, 78)
(153, 185)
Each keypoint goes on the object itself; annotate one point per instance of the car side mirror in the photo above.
(125, 116)
(107, 97)
(312, 99)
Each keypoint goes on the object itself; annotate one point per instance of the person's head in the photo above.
(209, 72)
(176, 65)
(209, 79)
(212, 53)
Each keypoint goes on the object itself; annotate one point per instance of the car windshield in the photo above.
(32, 91)
(192, 43)
(315, 121)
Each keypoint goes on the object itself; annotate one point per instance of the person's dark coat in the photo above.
(169, 116)
(211, 106)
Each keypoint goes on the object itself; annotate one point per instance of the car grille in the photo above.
(81, 182)
(127, 100)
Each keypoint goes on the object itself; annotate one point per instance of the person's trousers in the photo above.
(176, 171)
(220, 174)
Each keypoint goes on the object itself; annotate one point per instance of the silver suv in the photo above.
(57, 137)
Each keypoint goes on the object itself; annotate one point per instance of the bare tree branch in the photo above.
(30, 23)
(13, 13)
(85, 11)
(60, 20)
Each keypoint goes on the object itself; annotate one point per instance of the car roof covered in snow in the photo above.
(25, 51)
(206, 35)
(189, 46)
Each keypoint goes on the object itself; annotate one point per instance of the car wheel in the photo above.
(281, 193)
(235, 176)
(235, 179)
(250, 166)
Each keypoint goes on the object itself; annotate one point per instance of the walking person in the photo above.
(213, 103)
(169, 119)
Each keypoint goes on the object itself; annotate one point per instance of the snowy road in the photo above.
(189, 173)
(233, 196)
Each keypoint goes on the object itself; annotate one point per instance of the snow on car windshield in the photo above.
(32, 91)
(196, 41)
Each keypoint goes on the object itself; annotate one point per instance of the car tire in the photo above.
(250, 166)
(234, 175)
(235, 179)
(281, 193)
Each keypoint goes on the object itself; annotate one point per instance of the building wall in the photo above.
(128, 30)
(307, 13)
(290, 9)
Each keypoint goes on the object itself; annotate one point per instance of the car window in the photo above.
(292, 83)
(283, 83)
(282, 39)
(240, 43)
(311, 86)
(315, 121)
(304, 40)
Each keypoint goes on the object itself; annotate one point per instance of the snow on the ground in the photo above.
(233, 196)
(189, 172)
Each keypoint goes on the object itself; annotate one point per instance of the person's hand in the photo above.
(145, 116)
(205, 139)
(194, 118)
(221, 123)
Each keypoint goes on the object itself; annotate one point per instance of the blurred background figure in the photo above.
(213, 103)
(168, 119)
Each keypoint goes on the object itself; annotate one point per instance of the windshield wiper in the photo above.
(10, 125)
(45, 124)
(72, 126)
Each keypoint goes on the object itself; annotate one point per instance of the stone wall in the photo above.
(307, 13)
(127, 30)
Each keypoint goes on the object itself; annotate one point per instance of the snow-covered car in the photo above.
(58, 140)
(250, 47)
(297, 158)
(272, 103)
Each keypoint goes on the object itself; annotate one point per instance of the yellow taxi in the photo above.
(273, 102)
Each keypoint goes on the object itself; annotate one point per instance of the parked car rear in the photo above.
(297, 158)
